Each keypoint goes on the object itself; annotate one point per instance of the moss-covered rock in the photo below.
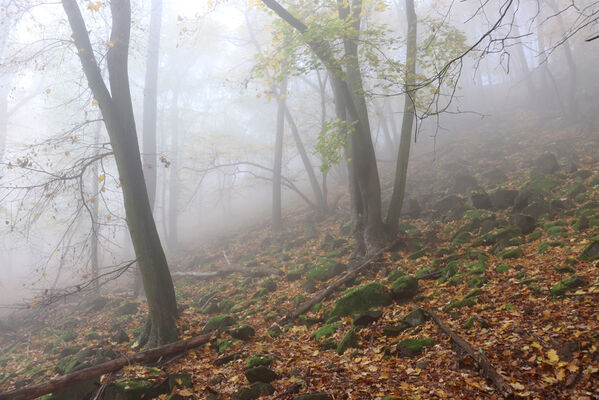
(591, 251)
(274, 331)
(367, 317)
(513, 252)
(134, 389)
(349, 340)
(502, 268)
(243, 332)
(404, 288)
(568, 284)
(257, 360)
(179, 380)
(413, 347)
(260, 373)
(325, 331)
(324, 269)
(360, 299)
(395, 330)
(220, 323)
(414, 318)
(129, 308)
(313, 396)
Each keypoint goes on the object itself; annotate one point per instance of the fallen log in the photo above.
(255, 272)
(486, 368)
(52, 385)
(307, 305)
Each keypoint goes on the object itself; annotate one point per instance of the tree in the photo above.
(277, 214)
(150, 158)
(117, 111)
(403, 156)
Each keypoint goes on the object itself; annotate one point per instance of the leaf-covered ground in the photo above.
(522, 290)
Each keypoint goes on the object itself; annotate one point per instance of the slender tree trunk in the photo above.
(173, 197)
(95, 267)
(403, 156)
(150, 102)
(525, 70)
(277, 213)
(318, 197)
(117, 112)
(361, 140)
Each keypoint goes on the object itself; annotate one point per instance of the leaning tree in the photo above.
(114, 101)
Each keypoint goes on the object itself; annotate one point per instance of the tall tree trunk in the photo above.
(277, 213)
(95, 265)
(318, 196)
(150, 102)
(524, 69)
(366, 170)
(117, 112)
(403, 156)
(173, 197)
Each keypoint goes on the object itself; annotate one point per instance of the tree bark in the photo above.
(277, 212)
(150, 160)
(173, 196)
(64, 381)
(403, 156)
(117, 112)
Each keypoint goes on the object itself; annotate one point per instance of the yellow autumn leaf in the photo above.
(94, 6)
(94, 102)
(552, 356)
(101, 178)
(185, 393)
(560, 374)
(517, 386)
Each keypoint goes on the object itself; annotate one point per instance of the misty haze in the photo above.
(303, 200)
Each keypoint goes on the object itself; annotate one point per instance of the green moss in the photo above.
(179, 380)
(462, 238)
(404, 287)
(416, 345)
(556, 243)
(464, 302)
(220, 322)
(542, 184)
(502, 268)
(224, 344)
(257, 360)
(395, 330)
(134, 385)
(516, 241)
(349, 340)
(477, 268)
(321, 270)
(92, 336)
(456, 280)
(360, 299)
(65, 365)
(535, 235)
(591, 251)
(515, 252)
(542, 248)
(274, 331)
(325, 331)
(395, 275)
(69, 335)
(418, 254)
(567, 284)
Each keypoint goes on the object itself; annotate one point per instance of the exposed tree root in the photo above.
(344, 279)
(34, 391)
(486, 368)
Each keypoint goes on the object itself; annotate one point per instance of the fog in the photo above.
(219, 72)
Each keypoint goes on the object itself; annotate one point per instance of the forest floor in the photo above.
(515, 274)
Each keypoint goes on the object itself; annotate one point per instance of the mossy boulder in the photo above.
(349, 340)
(313, 396)
(404, 288)
(179, 380)
(325, 331)
(503, 198)
(129, 308)
(220, 323)
(243, 332)
(526, 223)
(513, 252)
(258, 360)
(571, 282)
(134, 389)
(260, 373)
(413, 347)
(324, 269)
(591, 251)
(367, 317)
(546, 163)
(360, 299)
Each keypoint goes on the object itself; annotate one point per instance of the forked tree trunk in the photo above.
(150, 160)
(403, 156)
(117, 112)
(277, 212)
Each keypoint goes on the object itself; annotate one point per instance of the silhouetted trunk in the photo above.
(318, 196)
(95, 267)
(173, 196)
(117, 112)
(403, 156)
(150, 102)
(524, 69)
(277, 213)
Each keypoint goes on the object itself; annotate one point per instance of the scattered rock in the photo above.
(526, 223)
(413, 347)
(120, 336)
(368, 317)
(464, 182)
(243, 332)
(591, 252)
(220, 323)
(568, 284)
(415, 318)
(360, 299)
(481, 200)
(313, 396)
(404, 287)
(503, 198)
(128, 308)
(410, 208)
(261, 374)
(545, 164)
(349, 340)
